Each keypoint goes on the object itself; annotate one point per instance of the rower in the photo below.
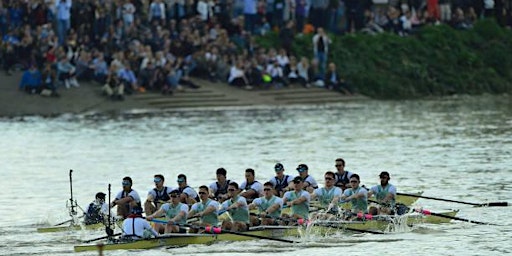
(219, 189)
(385, 193)
(251, 188)
(342, 175)
(188, 194)
(281, 182)
(269, 206)
(298, 200)
(157, 196)
(135, 227)
(308, 182)
(175, 213)
(237, 209)
(126, 199)
(358, 196)
(328, 196)
(96, 210)
(206, 209)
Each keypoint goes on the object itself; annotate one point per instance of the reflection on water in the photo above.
(456, 148)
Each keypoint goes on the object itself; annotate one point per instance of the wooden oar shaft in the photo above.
(220, 231)
(427, 212)
(456, 201)
(103, 237)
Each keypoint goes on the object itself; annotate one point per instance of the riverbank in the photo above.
(88, 99)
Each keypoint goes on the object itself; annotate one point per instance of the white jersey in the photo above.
(136, 228)
(190, 192)
(256, 186)
(133, 194)
(312, 182)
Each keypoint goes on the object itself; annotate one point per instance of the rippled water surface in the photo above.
(457, 148)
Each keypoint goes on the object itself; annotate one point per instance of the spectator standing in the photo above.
(300, 14)
(250, 15)
(319, 13)
(157, 12)
(63, 9)
(321, 44)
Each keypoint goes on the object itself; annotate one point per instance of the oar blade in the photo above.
(494, 204)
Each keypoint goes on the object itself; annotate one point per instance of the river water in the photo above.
(457, 148)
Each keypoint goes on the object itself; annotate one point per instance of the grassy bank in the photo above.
(437, 61)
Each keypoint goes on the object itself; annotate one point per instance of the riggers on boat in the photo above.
(377, 224)
(177, 239)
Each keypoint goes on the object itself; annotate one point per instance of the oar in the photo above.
(455, 201)
(99, 238)
(67, 221)
(427, 212)
(217, 230)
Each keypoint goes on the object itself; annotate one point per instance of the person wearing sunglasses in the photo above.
(219, 188)
(329, 195)
(385, 194)
(188, 194)
(297, 200)
(175, 212)
(281, 182)
(157, 196)
(237, 209)
(342, 175)
(269, 206)
(356, 195)
(206, 209)
(126, 199)
(308, 182)
(251, 188)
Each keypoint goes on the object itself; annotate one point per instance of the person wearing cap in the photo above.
(237, 208)
(298, 200)
(281, 182)
(96, 210)
(157, 196)
(126, 199)
(342, 175)
(175, 212)
(188, 194)
(329, 195)
(206, 209)
(308, 182)
(135, 227)
(251, 188)
(269, 206)
(385, 193)
(356, 195)
(219, 188)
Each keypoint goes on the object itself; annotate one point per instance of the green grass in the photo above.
(437, 61)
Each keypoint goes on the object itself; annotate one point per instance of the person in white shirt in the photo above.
(251, 188)
(126, 199)
(96, 211)
(135, 227)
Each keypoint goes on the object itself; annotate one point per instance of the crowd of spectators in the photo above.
(131, 46)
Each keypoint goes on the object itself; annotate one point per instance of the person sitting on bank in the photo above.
(175, 213)
(333, 80)
(113, 88)
(66, 72)
(96, 210)
(136, 227)
(31, 81)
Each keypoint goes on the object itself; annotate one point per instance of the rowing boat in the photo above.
(74, 226)
(177, 239)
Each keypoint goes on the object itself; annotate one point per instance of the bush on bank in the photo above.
(436, 61)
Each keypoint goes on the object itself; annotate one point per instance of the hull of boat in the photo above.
(186, 239)
(80, 226)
